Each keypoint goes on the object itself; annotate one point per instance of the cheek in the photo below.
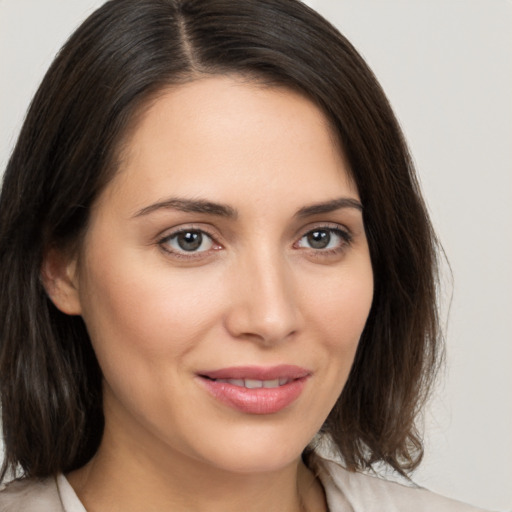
(136, 313)
(341, 313)
(342, 307)
(143, 324)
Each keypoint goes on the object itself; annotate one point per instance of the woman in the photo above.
(218, 270)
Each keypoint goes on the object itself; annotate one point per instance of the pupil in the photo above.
(190, 241)
(319, 239)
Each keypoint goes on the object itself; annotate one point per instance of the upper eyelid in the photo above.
(334, 226)
(170, 232)
(166, 235)
(179, 254)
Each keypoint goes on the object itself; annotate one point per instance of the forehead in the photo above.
(204, 135)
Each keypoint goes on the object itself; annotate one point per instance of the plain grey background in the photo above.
(446, 66)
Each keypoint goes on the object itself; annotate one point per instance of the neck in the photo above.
(138, 478)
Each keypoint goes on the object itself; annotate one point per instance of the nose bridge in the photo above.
(264, 305)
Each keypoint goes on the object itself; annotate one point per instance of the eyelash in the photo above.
(345, 240)
(343, 234)
(183, 254)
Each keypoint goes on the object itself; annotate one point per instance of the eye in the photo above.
(188, 241)
(324, 238)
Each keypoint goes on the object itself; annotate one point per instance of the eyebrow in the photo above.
(223, 210)
(329, 206)
(190, 205)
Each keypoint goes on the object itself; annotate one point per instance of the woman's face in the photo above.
(225, 278)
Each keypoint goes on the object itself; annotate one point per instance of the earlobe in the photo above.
(59, 278)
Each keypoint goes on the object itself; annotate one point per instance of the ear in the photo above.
(60, 280)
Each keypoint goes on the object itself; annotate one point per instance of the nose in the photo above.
(264, 302)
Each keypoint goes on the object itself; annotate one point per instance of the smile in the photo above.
(256, 390)
(255, 384)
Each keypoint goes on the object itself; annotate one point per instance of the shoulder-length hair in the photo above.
(118, 59)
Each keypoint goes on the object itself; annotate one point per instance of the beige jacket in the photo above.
(345, 492)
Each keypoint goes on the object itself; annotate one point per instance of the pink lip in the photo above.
(258, 400)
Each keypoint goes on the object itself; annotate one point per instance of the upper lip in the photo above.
(287, 371)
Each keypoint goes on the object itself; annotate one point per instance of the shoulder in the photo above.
(359, 492)
(30, 495)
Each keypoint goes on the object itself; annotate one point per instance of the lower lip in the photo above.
(256, 401)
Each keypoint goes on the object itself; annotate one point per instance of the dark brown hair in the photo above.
(119, 58)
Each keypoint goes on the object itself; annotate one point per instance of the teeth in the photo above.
(255, 384)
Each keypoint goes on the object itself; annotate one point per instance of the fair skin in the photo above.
(232, 236)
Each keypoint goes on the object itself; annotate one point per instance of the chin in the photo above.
(257, 450)
(257, 463)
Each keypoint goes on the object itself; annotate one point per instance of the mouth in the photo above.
(256, 390)
(254, 383)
